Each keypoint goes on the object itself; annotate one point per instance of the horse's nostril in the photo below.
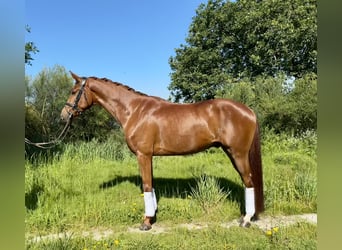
(63, 116)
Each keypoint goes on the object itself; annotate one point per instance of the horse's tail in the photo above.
(256, 168)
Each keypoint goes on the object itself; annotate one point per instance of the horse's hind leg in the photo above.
(241, 164)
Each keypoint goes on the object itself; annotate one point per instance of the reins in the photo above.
(53, 143)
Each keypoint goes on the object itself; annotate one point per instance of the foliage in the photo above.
(45, 98)
(303, 97)
(30, 48)
(47, 95)
(229, 41)
(292, 168)
(285, 105)
(113, 148)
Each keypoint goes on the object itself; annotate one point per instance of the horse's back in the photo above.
(215, 111)
(212, 115)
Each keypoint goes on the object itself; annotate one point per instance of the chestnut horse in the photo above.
(153, 126)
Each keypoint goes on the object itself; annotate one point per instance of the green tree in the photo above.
(290, 110)
(230, 41)
(30, 48)
(303, 98)
(44, 99)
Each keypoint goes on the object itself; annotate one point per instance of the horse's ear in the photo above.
(76, 77)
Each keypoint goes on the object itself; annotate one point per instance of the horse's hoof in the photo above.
(145, 227)
(245, 224)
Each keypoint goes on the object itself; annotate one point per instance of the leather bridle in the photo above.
(74, 106)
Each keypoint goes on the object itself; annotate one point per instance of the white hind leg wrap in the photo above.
(249, 201)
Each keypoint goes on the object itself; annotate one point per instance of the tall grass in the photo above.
(97, 185)
(208, 193)
(290, 171)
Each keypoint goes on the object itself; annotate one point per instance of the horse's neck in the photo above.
(116, 99)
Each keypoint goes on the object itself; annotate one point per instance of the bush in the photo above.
(281, 104)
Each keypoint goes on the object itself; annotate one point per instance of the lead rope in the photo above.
(54, 142)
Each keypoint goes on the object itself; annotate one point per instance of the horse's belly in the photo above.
(180, 144)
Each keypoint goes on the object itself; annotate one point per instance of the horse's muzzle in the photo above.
(65, 115)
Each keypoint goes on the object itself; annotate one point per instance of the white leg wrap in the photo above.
(149, 204)
(154, 199)
(249, 201)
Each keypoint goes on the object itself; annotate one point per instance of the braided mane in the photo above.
(119, 84)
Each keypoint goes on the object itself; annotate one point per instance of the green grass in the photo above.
(97, 185)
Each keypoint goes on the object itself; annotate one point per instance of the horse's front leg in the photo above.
(145, 164)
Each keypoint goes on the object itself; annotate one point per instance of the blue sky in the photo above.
(128, 41)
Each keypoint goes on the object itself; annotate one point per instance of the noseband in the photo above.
(78, 97)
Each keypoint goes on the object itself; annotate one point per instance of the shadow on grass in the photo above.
(31, 198)
(181, 188)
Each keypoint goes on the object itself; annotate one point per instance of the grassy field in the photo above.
(97, 186)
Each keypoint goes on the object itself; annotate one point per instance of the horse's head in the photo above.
(79, 100)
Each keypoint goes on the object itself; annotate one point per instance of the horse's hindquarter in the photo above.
(170, 129)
